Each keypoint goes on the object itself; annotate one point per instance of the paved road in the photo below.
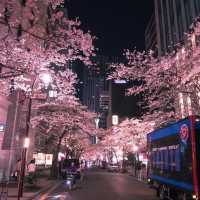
(103, 186)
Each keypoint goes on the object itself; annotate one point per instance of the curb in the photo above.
(43, 190)
(136, 179)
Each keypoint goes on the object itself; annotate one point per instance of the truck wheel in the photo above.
(182, 196)
(162, 193)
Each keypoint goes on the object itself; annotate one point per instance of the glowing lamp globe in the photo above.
(46, 78)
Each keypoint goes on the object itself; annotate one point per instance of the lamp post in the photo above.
(135, 150)
(46, 79)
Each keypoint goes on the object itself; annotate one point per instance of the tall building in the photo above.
(4, 103)
(173, 20)
(13, 124)
(95, 90)
(150, 35)
(92, 87)
(121, 104)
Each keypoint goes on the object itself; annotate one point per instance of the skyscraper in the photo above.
(150, 35)
(173, 19)
(92, 88)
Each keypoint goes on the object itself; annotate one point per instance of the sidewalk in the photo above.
(141, 175)
(43, 184)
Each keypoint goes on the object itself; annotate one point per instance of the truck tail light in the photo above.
(194, 196)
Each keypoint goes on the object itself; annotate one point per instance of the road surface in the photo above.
(103, 186)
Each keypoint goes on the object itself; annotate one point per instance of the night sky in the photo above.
(117, 24)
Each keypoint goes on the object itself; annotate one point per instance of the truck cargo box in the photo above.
(173, 154)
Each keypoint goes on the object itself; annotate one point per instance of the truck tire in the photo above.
(162, 193)
(183, 196)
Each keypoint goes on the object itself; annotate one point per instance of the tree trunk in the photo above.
(54, 168)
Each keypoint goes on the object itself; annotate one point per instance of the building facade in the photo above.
(4, 104)
(95, 94)
(150, 35)
(173, 19)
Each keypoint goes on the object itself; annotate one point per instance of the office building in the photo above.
(150, 35)
(173, 19)
(95, 90)
(92, 87)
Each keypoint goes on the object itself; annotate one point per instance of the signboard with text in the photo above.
(49, 159)
(43, 159)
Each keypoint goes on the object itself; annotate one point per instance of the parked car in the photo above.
(113, 167)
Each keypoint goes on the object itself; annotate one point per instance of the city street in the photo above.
(104, 186)
(85, 84)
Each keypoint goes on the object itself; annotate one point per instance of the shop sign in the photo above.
(49, 159)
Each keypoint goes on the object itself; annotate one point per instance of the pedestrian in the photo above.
(17, 170)
(31, 169)
(139, 171)
(143, 171)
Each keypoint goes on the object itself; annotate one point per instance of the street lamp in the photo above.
(135, 150)
(26, 142)
(97, 122)
(46, 79)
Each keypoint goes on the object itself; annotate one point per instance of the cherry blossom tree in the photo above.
(130, 133)
(37, 37)
(160, 79)
(65, 122)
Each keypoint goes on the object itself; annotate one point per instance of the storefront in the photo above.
(4, 154)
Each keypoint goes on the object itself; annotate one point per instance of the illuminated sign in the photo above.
(49, 159)
(120, 81)
(40, 159)
(2, 127)
(43, 159)
(184, 133)
(115, 119)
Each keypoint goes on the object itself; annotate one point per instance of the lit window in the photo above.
(193, 40)
(189, 104)
(181, 104)
(199, 97)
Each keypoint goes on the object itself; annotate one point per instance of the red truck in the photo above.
(174, 160)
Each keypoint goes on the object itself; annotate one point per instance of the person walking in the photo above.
(17, 170)
(31, 169)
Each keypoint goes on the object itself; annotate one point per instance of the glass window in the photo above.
(188, 12)
(180, 20)
(166, 160)
(197, 7)
(177, 159)
(171, 155)
(157, 159)
(162, 160)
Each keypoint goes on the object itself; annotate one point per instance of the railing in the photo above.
(4, 190)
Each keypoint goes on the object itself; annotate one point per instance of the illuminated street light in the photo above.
(135, 148)
(46, 78)
(97, 122)
(26, 142)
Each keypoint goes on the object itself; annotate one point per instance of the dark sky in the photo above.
(117, 24)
